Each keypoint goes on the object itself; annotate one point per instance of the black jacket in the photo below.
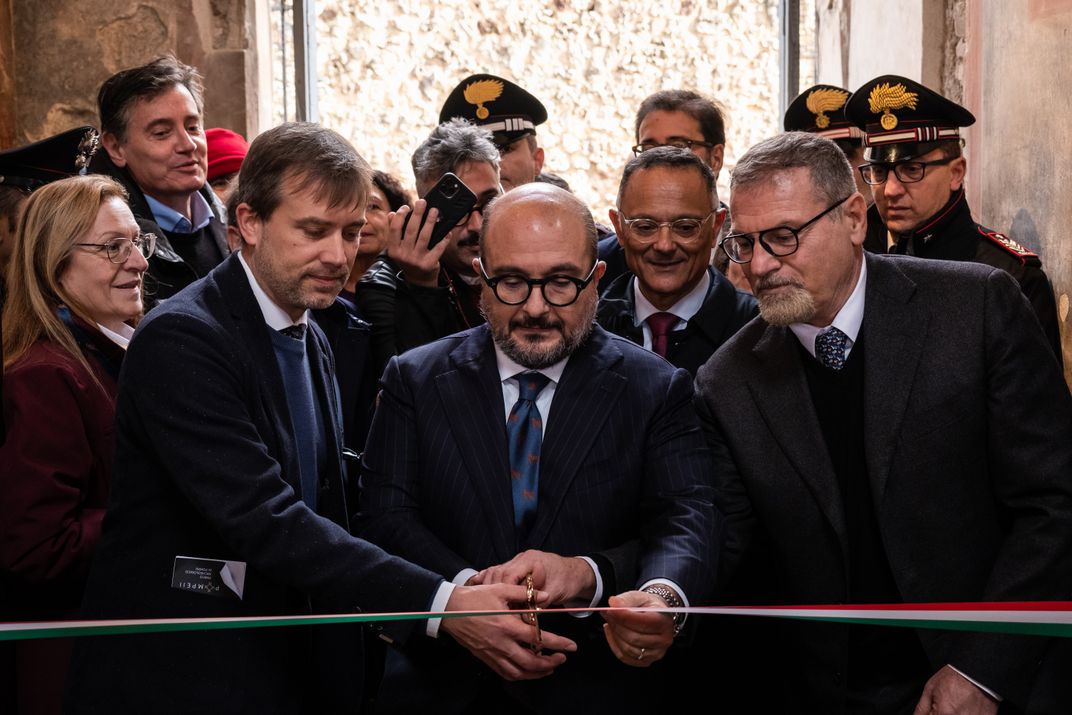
(953, 235)
(405, 316)
(168, 273)
(206, 466)
(725, 310)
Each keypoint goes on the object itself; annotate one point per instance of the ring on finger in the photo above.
(640, 656)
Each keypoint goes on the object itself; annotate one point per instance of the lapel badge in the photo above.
(885, 97)
(821, 101)
(485, 90)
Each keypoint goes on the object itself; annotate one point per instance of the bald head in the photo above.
(547, 200)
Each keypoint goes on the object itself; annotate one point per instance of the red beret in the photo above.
(226, 150)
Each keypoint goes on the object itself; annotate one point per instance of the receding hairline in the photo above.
(545, 197)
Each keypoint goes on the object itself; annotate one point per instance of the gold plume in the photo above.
(821, 101)
(885, 97)
(485, 90)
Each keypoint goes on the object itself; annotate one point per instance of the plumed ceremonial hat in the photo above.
(821, 110)
(57, 157)
(496, 104)
(902, 119)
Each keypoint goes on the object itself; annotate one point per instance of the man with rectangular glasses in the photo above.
(916, 171)
(678, 118)
(892, 430)
(672, 301)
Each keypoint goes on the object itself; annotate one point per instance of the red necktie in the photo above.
(661, 325)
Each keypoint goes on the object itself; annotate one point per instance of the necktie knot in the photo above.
(661, 325)
(830, 348)
(296, 332)
(531, 384)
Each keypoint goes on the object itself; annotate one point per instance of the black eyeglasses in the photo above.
(558, 290)
(778, 241)
(118, 249)
(646, 230)
(679, 143)
(907, 172)
(479, 208)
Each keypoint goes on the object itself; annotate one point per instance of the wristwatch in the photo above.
(672, 600)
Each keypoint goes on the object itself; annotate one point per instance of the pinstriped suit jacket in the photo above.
(623, 460)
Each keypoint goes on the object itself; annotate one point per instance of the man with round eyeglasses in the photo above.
(611, 494)
(916, 169)
(891, 430)
(672, 301)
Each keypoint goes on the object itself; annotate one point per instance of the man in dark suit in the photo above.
(228, 497)
(153, 135)
(611, 493)
(671, 117)
(672, 301)
(895, 430)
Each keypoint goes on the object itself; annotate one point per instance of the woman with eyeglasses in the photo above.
(74, 286)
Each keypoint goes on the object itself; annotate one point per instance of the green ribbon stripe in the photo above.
(1054, 624)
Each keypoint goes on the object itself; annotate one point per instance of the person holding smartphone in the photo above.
(417, 292)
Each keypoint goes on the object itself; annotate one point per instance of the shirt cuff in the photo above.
(596, 598)
(439, 604)
(977, 684)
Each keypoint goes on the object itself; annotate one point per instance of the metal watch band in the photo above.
(672, 600)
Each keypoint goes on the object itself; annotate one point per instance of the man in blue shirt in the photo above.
(152, 130)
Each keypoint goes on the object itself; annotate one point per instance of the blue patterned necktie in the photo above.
(830, 348)
(524, 433)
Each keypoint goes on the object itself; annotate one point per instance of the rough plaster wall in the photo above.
(386, 68)
(832, 47)
(869, 28)
(56, 92)
(1019, 167)
(954, 50)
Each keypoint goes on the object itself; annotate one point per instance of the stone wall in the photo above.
(63, 50)
(385, 69)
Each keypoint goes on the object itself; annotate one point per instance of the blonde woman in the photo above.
(74, 290)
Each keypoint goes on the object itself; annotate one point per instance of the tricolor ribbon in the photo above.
(1037, 618)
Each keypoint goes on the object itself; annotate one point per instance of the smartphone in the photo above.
(453, 199)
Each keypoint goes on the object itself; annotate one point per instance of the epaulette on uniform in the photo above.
(1026, 257)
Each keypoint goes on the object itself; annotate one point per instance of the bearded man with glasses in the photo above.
(891, 430)
(540, 450)
(916, 171)
(672, 301)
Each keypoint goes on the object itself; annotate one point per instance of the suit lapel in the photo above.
(327, 395)
(471, 395)
(780, 392)
(587, 393)
(894, 331)
(252, 332)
